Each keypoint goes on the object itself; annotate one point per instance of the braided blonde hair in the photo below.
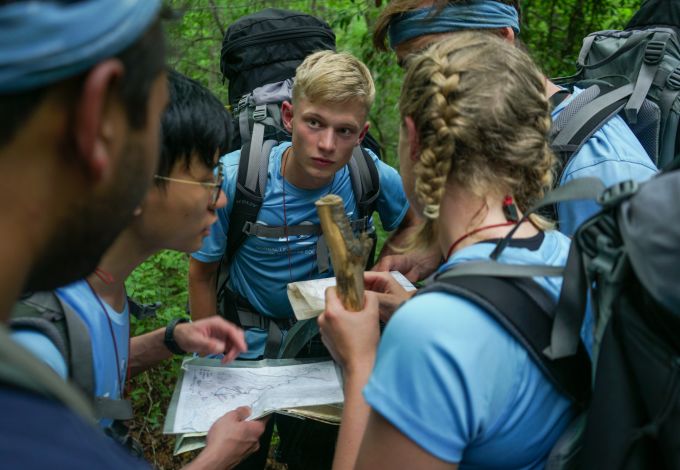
(480, 109)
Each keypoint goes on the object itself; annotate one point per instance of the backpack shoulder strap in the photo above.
(365, 179)
(654, 52)
(46, 313)
(583, 116)
(18, 368)
(251, 184)
(525, 310)
(250, 187)
(27, 314)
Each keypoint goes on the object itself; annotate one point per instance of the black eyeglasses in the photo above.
(215, 187)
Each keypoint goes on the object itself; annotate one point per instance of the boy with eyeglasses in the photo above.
(176, 214)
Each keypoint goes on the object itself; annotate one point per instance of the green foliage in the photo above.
(162, 279)
(553, 30)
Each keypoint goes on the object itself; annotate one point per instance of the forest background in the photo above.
(552, 31)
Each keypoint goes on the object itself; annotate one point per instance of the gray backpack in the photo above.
(46, 313)
(634, 73)
(625, 259)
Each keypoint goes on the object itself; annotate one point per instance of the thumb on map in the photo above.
(242, 412)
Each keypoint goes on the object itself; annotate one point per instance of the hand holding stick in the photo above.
(348, 253)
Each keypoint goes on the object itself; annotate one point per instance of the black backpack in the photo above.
(260, 54)
(634, 73)
(626, 259)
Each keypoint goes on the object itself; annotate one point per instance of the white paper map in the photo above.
(207, 392)
(307, 297)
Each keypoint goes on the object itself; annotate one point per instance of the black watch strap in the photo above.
(169, 339)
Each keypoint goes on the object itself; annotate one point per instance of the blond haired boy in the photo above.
(327, 118)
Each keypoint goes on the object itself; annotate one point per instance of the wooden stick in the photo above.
(348, 253)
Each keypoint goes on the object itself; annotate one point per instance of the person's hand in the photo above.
(230, 440)
(388, 291)
(212, 335)
(414, 265)
(351, 337)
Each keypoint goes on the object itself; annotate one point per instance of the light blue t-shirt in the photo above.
(84, 302)
(613, 154)
(452, 380)
(263, 267)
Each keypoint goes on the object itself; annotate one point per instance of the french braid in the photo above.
(482, 116)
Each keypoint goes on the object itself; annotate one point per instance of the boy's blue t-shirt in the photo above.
(452, 380)
(263, 267)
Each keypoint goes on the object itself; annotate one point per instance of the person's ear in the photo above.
(507, 33)
(363, 133)
(97, 117)
(287, 115)
(413, 138)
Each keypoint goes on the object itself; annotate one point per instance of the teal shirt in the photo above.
(455, 382)
(263, 267)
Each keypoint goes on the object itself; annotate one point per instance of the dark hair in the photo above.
(194, 123)
(144, 60)
(398, 7)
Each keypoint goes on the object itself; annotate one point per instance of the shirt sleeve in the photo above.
(612, 154)
(215, 244)
(438, 368)
(392, 203)
(43, 348)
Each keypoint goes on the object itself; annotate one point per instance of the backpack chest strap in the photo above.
(257, 229)
(281, 231)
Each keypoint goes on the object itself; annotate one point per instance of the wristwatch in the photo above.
(169, 339)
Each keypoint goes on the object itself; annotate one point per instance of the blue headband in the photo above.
(478, 14)
(44, 42)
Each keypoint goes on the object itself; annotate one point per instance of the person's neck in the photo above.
(118, 262)
(550, 88)
(462, 213)
(292, 174)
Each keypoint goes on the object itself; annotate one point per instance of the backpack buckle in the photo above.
(260, 113)
(617, 193)
(143, 311)
(248, 227)
(654, 51)
(673, 80)
(242, 103)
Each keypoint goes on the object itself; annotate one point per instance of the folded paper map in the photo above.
(207, 389)
(307, 297)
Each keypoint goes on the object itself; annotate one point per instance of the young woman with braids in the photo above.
(448, 386)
